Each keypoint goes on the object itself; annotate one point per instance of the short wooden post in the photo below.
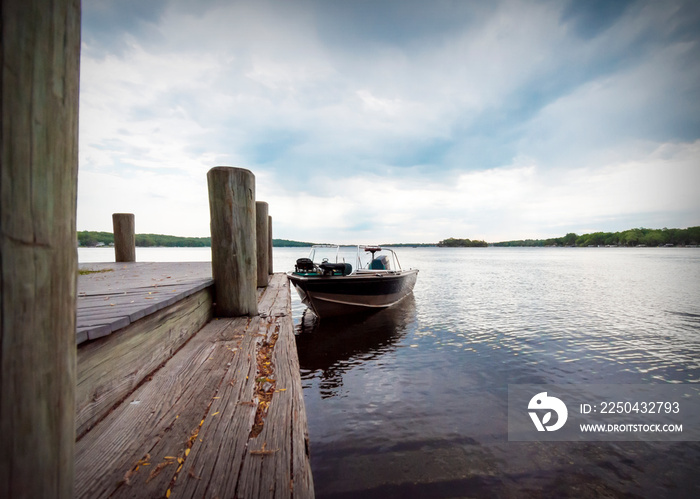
(124, 237)
(269, 238)
(261, 231)
(40, 54)
(233, 248)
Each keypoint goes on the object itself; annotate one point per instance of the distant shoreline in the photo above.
(640, 237)
(93, 239)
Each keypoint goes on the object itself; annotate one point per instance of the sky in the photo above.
(393, 120)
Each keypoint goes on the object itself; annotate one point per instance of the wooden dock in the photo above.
(145, 375)
(217, 412)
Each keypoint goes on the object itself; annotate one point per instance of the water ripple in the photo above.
(485, 318)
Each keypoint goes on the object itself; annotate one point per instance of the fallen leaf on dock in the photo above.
(156, 471)
(139, 463)
(193, 437)
(264, 451)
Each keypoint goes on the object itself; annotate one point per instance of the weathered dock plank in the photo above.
(110, 368)
(274, 459)
(115, 295)
(173, 402)
(137, 315)
(119, 277)
(224, 417)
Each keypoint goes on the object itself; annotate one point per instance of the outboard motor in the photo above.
(304, 265)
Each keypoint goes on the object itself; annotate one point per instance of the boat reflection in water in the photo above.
(330, 347)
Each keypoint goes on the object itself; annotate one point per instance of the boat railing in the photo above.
(394, 265)
(365, 256)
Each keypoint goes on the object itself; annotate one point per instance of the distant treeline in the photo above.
(409, 245)
(631, 237)
(92, 238)
(461, 243)
(286, 243)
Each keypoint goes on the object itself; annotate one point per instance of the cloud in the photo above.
(520, 201)
(591, 18)
(394, 121)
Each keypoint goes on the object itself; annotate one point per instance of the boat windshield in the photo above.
(377, 258)
(366, 258)
(324, 253)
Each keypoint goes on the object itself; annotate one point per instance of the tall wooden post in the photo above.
(262, 243)
(39, 60)
(269, 238)
(124, 237)
(233, 248)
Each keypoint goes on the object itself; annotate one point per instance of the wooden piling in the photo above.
(233, 246)
(269, 239)
(124, 237)
(40, 54)
(262, 242)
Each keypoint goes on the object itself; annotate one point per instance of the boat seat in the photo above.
(379, 263)
(343, 268)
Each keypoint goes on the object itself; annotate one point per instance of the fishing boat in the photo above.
(330, 286)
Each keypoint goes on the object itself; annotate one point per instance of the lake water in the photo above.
(412, 401)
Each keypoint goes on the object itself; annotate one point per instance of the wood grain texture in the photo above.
(270, 267)
(39, 56)
(187, 430)
(262, 242)
(270, 454)
(156, 421)
(111, 296)
(124, 237)
(111, 367)
(233, 246)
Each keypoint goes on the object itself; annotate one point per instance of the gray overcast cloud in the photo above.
(394, 121)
